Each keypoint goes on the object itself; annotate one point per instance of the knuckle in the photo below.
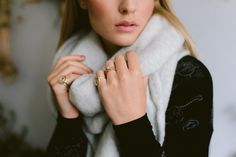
(114, 83)
(130, 53)
(109, 62)
(48, 79)
(53, 83)
(62, 58)
(69, 67)
(104, 90)
(136, 72)
(67, 62)
(102, 86)
(69, 75)
(118, 57)
(124, 76)
(99, 72)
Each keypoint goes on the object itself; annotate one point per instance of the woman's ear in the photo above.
(83, 4)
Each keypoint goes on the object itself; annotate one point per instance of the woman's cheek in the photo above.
(97, 13)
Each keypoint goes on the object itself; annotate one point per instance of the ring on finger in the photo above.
(109, 68)
(63, 80)
(98, 79)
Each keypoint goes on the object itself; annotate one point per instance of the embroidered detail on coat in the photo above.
(189, 69)
(190, 124)
(176, 116)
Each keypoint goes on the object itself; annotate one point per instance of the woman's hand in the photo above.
(123, 91)
(72, 67)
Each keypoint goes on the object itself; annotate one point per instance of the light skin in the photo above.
(123, 91)
(72, 66)
(105, 14)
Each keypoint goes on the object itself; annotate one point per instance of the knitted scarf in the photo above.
(159, 47)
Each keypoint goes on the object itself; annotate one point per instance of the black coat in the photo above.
(188, 122)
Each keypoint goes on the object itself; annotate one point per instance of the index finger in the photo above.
(69, 57)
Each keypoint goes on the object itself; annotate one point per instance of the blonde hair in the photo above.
(76, 20)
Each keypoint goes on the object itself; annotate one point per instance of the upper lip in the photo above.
(127, 23)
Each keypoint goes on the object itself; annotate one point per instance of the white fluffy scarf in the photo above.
(159, 47)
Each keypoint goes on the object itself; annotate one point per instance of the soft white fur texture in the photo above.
(159, 47)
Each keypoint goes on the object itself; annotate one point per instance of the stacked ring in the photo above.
(97, 79)
(108, 68)
(63, 80)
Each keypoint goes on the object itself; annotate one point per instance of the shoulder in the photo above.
(191, 102)
(192, 77)
(191, 68)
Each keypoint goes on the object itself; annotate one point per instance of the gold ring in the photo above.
(97, 79)
(63, 80)
(108, 68)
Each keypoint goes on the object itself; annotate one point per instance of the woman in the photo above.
(181, 129)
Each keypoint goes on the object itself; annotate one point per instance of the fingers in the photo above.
(68, 58)
(81, 68)
(133, 61)
(101, 80)
(65, 107)
(64, 73)
(54, 80)
(111, 74)
(62, 89)
(67, 61)
(69, 66)
(120, 64)
(107, 77)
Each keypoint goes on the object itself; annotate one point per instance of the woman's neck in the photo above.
(109, 48)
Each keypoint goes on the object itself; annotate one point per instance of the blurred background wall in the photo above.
(212, 25)
(34, 35)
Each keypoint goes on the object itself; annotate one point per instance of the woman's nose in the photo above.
(127, 6)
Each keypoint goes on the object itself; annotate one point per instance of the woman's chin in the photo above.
(125, 42)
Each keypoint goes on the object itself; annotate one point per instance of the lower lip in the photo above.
(126, 28)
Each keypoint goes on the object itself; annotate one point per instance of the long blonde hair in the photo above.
(76, 19)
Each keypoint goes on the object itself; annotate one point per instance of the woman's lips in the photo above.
(126, 26)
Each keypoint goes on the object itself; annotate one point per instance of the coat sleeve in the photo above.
(136, 139)
(68, 139)
(188, 118)
(189, 123)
